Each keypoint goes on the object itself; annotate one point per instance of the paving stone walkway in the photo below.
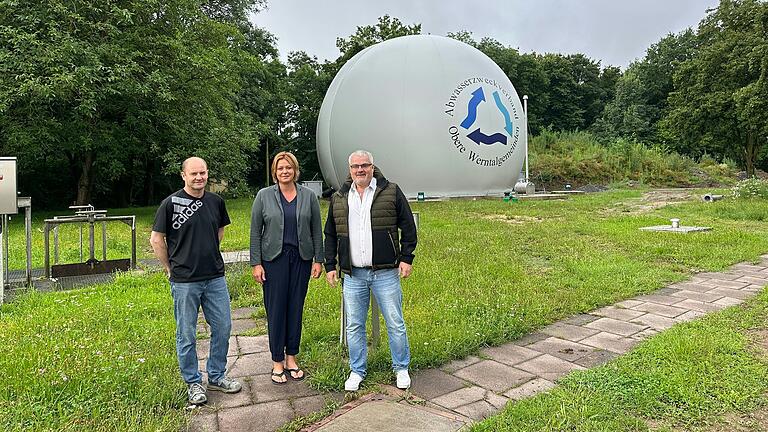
(479, 386)
(260, 406)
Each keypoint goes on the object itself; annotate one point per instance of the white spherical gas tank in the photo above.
(438, 115)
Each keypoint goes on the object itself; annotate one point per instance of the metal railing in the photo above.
(90, 216)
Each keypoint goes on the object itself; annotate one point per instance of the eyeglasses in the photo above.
(363, 166)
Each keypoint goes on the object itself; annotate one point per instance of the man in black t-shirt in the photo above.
(189, 226)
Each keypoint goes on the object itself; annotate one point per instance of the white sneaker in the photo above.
(353, 382)
(226, 385)
(403, 379)
(196, 394)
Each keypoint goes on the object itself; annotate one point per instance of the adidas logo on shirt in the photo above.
(183, 209)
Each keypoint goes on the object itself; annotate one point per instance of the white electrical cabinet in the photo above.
(8, 186)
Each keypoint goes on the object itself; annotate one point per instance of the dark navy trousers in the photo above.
(284, 292)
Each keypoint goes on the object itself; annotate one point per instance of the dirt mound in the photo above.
(511, 219)
(653, 200)
(668, 196)
(742, 175)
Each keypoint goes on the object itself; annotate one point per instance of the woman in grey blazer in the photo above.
(286, 249)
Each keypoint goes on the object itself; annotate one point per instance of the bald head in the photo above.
(193, 159)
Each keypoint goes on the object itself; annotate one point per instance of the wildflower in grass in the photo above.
(751, 188)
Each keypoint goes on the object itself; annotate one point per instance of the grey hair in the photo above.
(360, 153)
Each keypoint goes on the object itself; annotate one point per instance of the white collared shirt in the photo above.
(360, 234)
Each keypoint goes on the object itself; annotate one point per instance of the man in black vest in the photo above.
(189, 226)
(370, 229)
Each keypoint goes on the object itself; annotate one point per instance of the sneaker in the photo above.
(196, 394)
(353, 382)
(226, 385)
(403, 379)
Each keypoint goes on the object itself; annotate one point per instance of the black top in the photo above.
(290, 224)
(191, 227)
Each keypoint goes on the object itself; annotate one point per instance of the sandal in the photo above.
(295, 371)
(276, 374)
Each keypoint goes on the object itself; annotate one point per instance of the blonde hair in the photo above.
(291, 160)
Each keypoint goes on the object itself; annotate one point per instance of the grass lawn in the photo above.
(486, 272)
(686, 378)
(95, 359)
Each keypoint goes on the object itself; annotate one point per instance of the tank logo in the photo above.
(486, 133)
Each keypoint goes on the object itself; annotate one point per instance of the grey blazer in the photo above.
(267, 225)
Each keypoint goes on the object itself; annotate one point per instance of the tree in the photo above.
(116, 92)
(365, 36)
(264, 99)
(525, 72)
(592, 86)
(628, 115)
(232, 11)
(564, 110)
(640, 99)
(609, 77)
(662, 60)
(466, 37)
(720, 101)
(308, 81)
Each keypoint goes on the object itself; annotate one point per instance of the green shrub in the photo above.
(579, 158)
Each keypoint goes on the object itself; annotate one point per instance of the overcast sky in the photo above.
(615, 32)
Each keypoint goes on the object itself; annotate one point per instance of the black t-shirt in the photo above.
(191, 226)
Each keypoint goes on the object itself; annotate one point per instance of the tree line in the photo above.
(100, 101)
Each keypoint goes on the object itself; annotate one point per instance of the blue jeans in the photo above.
(213, 296)
(385, 285)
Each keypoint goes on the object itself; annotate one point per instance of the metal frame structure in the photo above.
(86, 214)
